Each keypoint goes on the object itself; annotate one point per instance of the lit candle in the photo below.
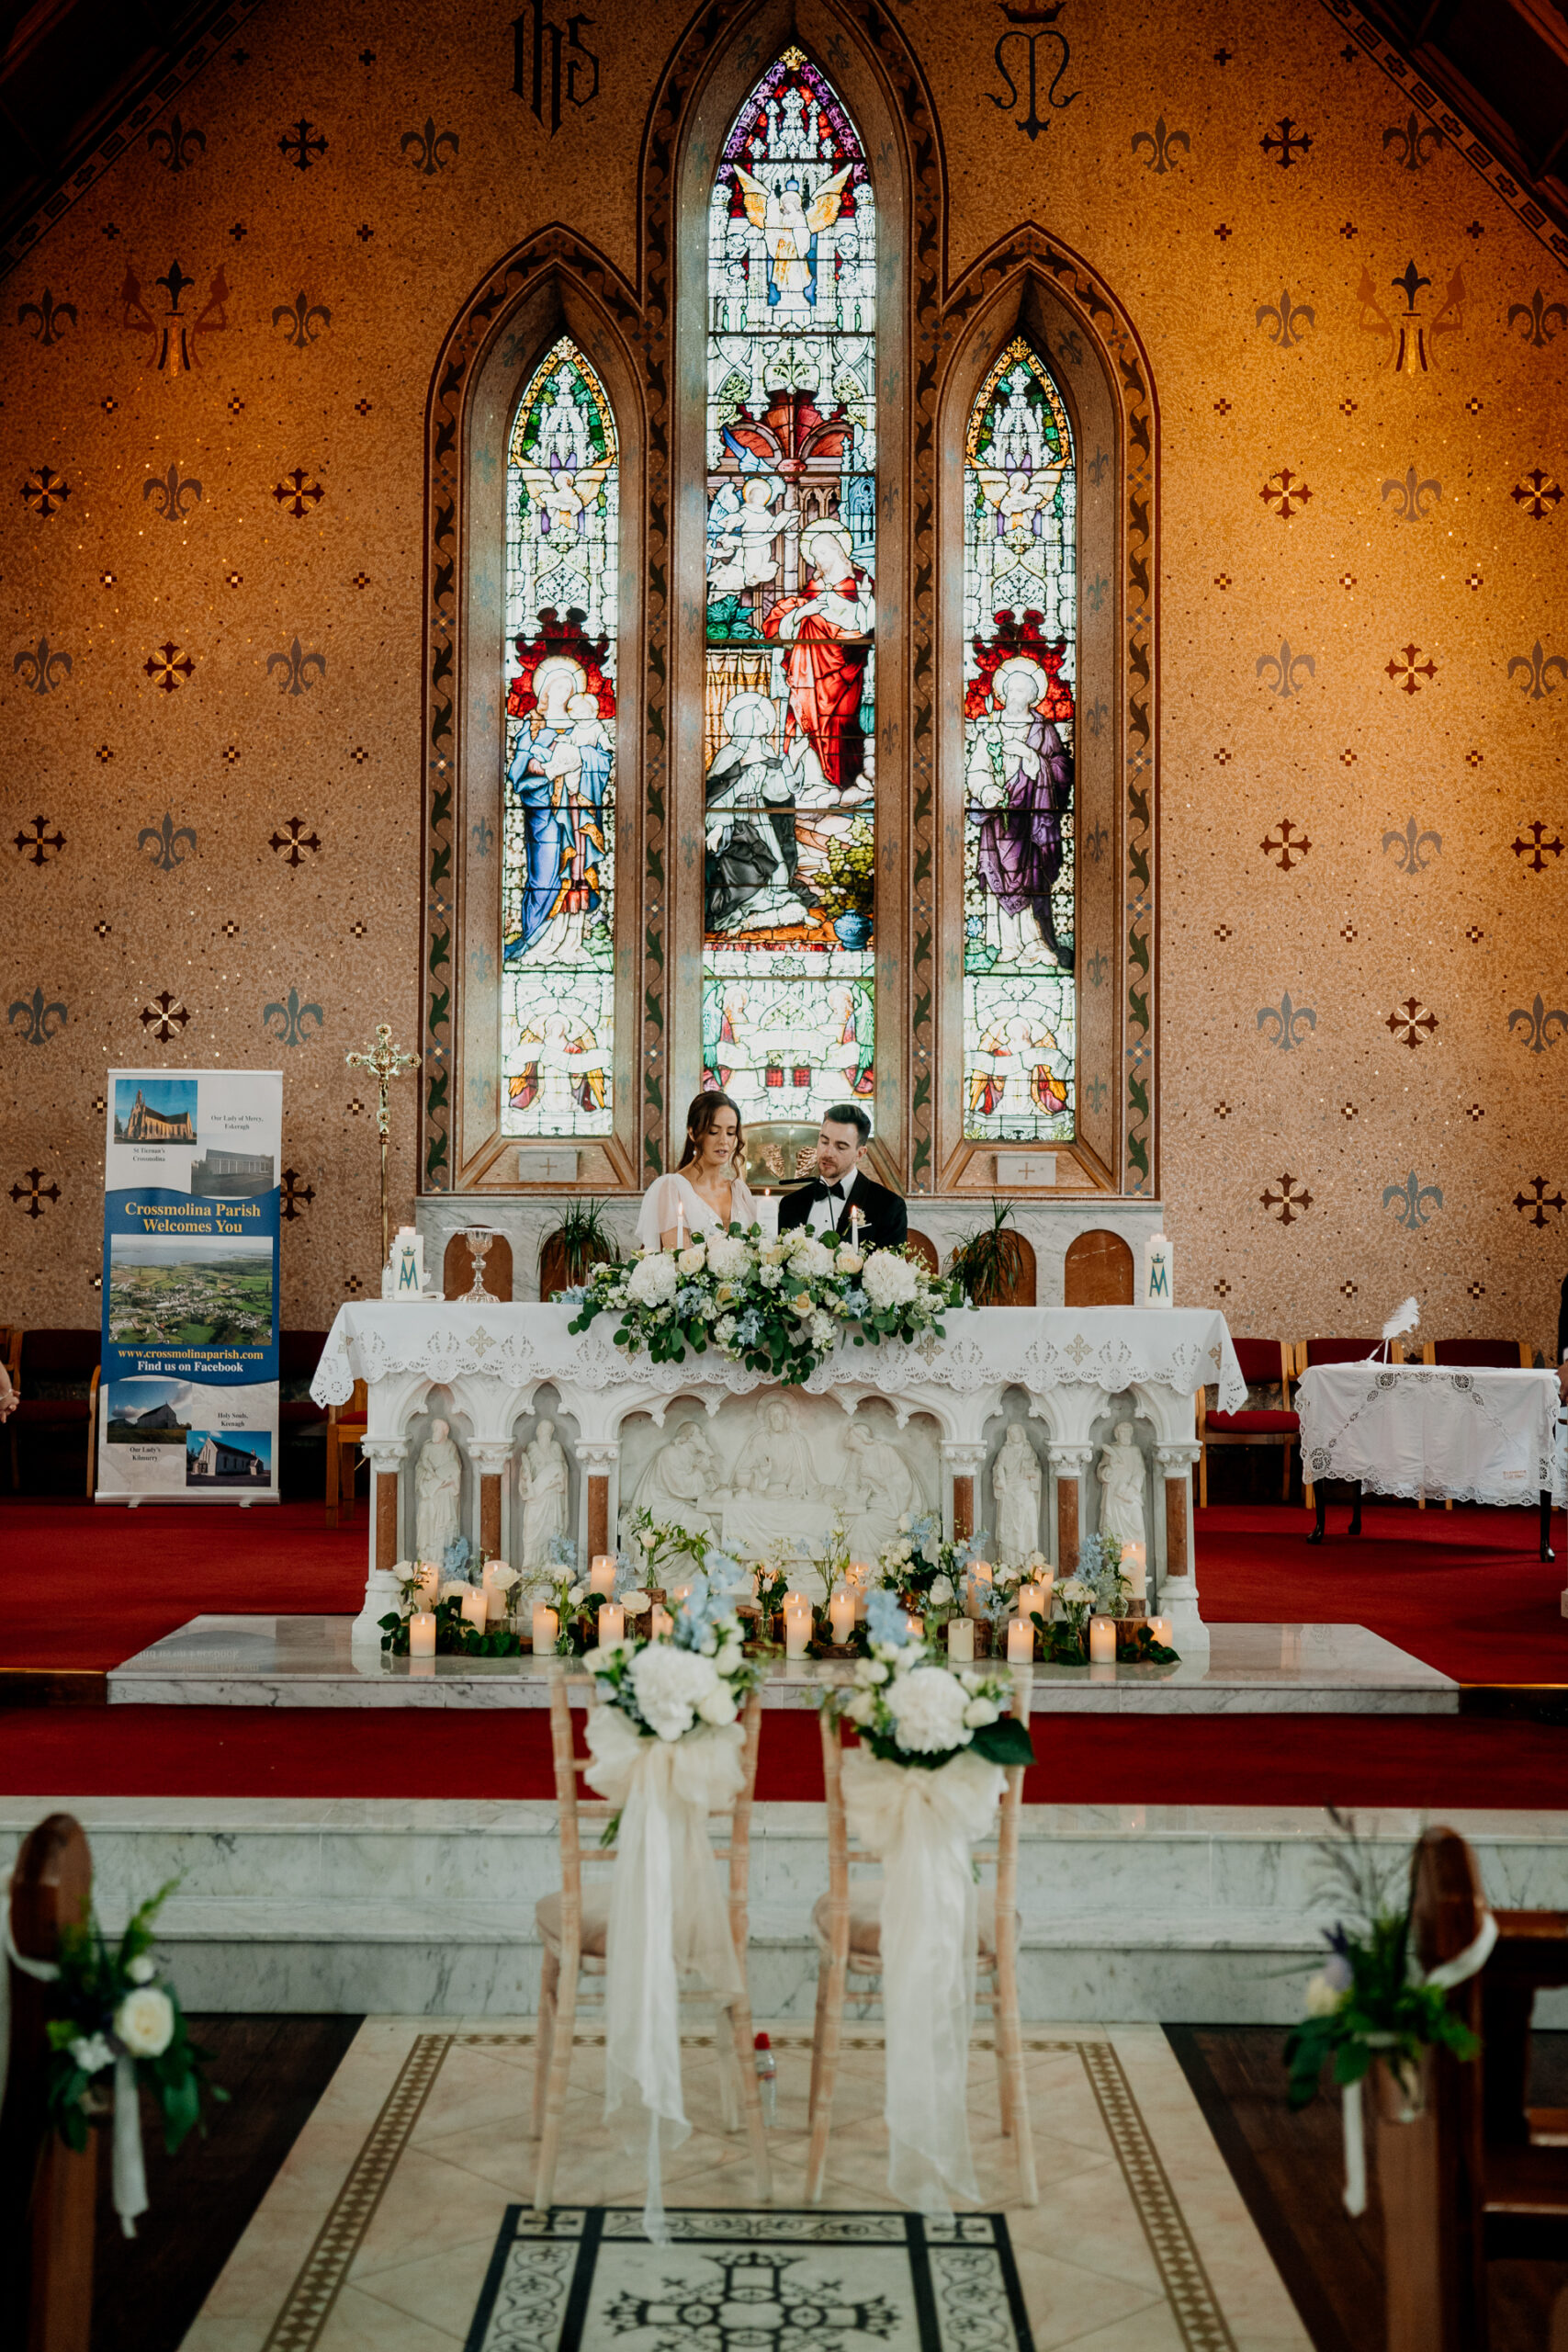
(430, 1580)
(797, 1624)
(860, 1583)
(856, 1221)
(602, 1573)
(422, 1634)
(1135, 1569)
(842, 1613)
(680, 1225)
(1020, 1642)
(545, 1626)
(916, 1626)
(767, 1216)
(1102, 1641)
(476, 1609)
(979, 1574)
(1159, 1631)
(961, 1641)
(661, 1624)
(612, 1622)
(496, 1587)
(678, 1593)
(1036, 1596)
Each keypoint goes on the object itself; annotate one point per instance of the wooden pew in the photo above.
(48, 2193)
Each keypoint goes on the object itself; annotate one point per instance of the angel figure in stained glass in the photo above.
(824, 668)
(1015, 1046)
(1020, 780)
(744, 527)
(790, 227)
(566, 1073)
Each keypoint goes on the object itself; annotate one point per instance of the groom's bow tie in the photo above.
(832, 1191)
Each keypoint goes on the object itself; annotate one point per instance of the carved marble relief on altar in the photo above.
(767, 1473)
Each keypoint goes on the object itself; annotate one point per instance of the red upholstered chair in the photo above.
(1265, 1363)
(1482, 1356)
(57, 1393)
(1311, 1351)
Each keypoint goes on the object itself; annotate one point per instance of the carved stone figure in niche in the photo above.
(438, 1493)
(1120, 1475)
(679, 1485)
(541, 1483)
(774, 1461)
(878, 1488)
(1015, 1486)
(776, 1494)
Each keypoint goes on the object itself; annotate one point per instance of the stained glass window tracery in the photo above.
(559, 839)
(789, 715)
(1019, 630)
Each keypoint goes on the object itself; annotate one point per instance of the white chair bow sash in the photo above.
(668, 1919)
(923, 1825)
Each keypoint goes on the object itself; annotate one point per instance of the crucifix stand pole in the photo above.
(385, 1062)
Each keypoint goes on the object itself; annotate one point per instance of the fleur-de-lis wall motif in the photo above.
(41, 669)
(1096, 967)
(177, 148)
(1287, 669)
(164, 841)
(1411, 1198)
(1540, 672)
(293, 1015)
(1291, 1022)
(1412, 496)
(1096, 1091)
(304, 320)
(39, 1021)
(38, 844)
(51, 318)
(1408, 846)
(1541, 1028)
(1541, 319)
(1288, 319)
(1096, 714)
(1096, 842)
(1162, 145)
(296, 666)
(483, 833)
(427, 144)
(164, 1017)
(1416, 141)
(170, 494)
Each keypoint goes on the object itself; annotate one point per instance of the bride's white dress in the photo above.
(667, 1194)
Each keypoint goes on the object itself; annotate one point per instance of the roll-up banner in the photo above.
(187, 1397)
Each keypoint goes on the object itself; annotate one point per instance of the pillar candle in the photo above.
(860, 1583)
(475, 1609)
(1102, 1641)
(612, 1622)
(1020, 1642)
(663, 1625)
(680, 1225)
(842, 1613)
(1134, 1568)
(797, 1624)
(546, 1627)
(495, 1591)
(961, 1641)
(917, 1627)
(1159, 1631)
(678, 1593)
(422, 1634)
(979, 1588)
(767, 1216)
(430, 1580)
(1036, 1596)
(602, 1573)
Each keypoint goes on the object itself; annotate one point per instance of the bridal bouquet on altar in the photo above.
(776, 1307)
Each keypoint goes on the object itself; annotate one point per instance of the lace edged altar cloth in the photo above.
(1457, 1435)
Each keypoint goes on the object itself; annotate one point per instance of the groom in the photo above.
(842, 1184)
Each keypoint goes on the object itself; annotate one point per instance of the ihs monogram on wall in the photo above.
(1029, 26)
(551, 61)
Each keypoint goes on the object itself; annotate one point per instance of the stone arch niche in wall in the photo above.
(1031, 292)
(551, 292)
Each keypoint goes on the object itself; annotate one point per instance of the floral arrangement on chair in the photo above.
(693, 1680)
(777, 1307)
(113, 2016)
(910, 1707)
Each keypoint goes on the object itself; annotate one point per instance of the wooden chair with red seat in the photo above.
(1307, 1353)
(346, 1425)
(57, 1391)
(1480, 2175)
(1265, 1363)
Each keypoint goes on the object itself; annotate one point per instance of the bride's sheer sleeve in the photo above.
(656, 1214)
(742, 1207)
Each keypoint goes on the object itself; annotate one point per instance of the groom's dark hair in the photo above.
(849, 1114)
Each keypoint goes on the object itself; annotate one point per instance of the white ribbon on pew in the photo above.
(129, 2172)
(1445, 1976)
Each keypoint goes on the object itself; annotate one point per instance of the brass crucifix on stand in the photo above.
(387, 1062)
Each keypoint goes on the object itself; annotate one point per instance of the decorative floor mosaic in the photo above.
(401, 2220)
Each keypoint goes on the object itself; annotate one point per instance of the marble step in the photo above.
(1175, 1914)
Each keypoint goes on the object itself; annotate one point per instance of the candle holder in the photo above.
(982, 1636)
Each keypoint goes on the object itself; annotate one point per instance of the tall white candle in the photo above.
(979, 1588)
(430, 1580)
(660, 1623)
(546, 1627)
(422, 1634)
(797, 1624)
(1020, 1642)
(476, 1609)
(602, 1572)
(1102, 1641)
(842, 1613)
(612, 1622)
(768, 1218)
(961, 1640)
(1134, 1568)
(860, 1585)
(495, 1590)
(680, 1223)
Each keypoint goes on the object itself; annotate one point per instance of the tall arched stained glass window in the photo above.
(1020, 627)
(789, 734)
(557, 929)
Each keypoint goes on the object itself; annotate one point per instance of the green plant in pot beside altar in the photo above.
(990, 1262)
(580, 1242)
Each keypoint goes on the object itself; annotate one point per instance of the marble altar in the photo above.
(919, 1426)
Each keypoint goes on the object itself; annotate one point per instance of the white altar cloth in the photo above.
(1040, 1348)
(1475, 1436)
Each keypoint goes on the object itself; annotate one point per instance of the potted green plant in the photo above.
(990, 1262)
(572, 1249)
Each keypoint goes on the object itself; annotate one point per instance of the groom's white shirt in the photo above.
(823, 1216)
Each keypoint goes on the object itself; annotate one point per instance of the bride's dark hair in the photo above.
(700, 1120)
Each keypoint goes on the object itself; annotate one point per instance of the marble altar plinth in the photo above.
(314, 1662)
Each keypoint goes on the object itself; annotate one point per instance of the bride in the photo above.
(705, 1195)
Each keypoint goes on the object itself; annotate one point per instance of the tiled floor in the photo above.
(379, 2228)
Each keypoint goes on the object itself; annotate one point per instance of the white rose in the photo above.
(144, 2021)
(141, 1971)
(850, 1261)
(928, 1707)
(719, 1707)
(978, 1712)
(652, 1282)
(574, 1596)
(91, 2053)
(726, 1257)
(888, 1280)
(692, 1260)
(636, 1603)
(862, 1708)
(1322, 1998)
(941, 1592)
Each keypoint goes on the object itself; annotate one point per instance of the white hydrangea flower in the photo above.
(822, 1330)
(888, 1280)
(670, 1685)
(729, 1657)
(870, 1670)
(726, 1257)
(719, 1707)
(652, 1280)
(723, 1329)
(862, 1708)
(808, 1256)
(769, 1276)
(929, 1707)
(144, 2021)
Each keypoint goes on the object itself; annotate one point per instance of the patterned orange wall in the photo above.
(217, 359)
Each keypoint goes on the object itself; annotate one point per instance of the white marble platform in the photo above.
(1245, 1669)
(1175, 1914)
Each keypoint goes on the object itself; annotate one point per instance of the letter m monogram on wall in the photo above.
(561, 60)
(1031, 26)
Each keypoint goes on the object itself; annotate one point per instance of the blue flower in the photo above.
(688, 1299)
(563, 1552)
(925, 1534)
(725, 1574)
(454, 1559)
(748, 1328)
(856, 1300)
(885, 1620)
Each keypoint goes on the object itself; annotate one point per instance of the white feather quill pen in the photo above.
(1406, 1317)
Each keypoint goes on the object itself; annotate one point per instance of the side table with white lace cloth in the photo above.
(1441, 1431)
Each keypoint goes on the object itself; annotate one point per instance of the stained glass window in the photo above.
(1019, 615)
(558, 846)
(789, 732)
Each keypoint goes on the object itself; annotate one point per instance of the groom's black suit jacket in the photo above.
(885, 1220)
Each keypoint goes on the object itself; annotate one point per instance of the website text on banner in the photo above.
(189, 1393)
